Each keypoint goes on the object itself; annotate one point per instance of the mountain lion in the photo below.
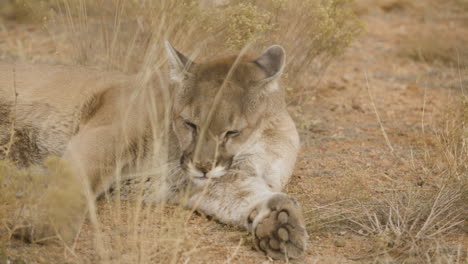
(222, 135)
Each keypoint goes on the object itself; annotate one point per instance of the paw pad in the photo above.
(283, 217)
(281, 232)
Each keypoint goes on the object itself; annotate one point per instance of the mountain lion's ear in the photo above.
(272, 62)
(179, 64)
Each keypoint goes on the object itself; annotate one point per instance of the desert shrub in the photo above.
(313, 32)
(411, 225)
(240, 24)
(49, 195)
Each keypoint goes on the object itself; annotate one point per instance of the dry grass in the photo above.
(454, 141)
(411, 226)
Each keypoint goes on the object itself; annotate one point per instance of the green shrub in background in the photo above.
(313, 32)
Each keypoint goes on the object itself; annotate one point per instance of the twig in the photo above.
(378, 116)
(6, 149)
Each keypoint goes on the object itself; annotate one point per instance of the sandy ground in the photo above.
(345, 154)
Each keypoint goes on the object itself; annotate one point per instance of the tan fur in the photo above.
(230, 141)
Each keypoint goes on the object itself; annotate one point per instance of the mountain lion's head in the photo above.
(221, 107)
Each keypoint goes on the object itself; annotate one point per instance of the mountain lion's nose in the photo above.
(204, 167)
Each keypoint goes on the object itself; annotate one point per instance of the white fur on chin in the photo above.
(215, 172)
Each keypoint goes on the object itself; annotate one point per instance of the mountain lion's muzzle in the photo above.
(207, 159)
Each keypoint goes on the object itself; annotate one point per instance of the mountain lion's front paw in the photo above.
(278, 228)
(32, 225)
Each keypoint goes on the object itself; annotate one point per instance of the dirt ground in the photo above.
(371, 120)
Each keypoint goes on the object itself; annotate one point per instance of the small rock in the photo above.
(357, 107)
(339, 243)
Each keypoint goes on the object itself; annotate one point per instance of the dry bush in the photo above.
(48, 195)
(411, 225)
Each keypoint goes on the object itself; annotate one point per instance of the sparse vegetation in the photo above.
(432, 45)
(443, 43)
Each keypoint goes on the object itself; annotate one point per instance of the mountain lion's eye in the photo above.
(190, 124)
(232, 133)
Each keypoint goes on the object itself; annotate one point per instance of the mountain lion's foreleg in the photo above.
(94, 153)
(91, 153)
(274, 219)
